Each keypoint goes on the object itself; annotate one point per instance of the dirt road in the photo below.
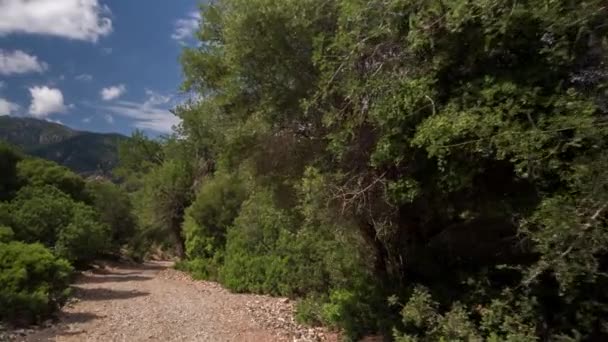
(152, 302)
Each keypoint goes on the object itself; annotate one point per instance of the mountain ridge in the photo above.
(87, 153)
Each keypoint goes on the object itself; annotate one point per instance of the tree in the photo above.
(115, 210)
(163, 200)
(39, 172)
(9, 182)
(137, 156)
(462, 140)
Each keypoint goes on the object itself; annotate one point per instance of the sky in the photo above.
(95, 65)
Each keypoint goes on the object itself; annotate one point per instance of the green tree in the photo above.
(166, 194)
(84, 238)
(137, 156)
(38, 214)
(9, 182)
(115, 210)
(39, 172)
(461, 141)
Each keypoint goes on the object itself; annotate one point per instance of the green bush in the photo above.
(270, 250)
(503, 319)
(9, 182)
(254, 261)
(39, 172)
(49, 216)
(6, 234)
(215, 208)
(37, 214)
(115, 210)
(34, 282)
(84, 238)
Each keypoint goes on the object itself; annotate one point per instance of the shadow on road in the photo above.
(116, 278)
(94, 294)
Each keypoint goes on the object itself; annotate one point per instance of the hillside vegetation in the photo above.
(423, 169)
(51, 221)
(433, 170)
(86, 153)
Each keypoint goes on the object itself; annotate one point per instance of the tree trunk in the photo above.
(180, 245)
(379, 250)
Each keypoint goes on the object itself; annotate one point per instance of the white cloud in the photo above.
(109, 118)
(73, 19)
(152, 114)
(113, 92)
(155, 98)
(2, 85)
(86, 120)
(19, 62)
(7, 107)
(185, 27)
(46, 101)
(107, 50)
(84, 77)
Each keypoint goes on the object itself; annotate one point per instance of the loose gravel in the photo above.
(153, 302)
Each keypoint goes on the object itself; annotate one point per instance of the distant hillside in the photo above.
(84, 152)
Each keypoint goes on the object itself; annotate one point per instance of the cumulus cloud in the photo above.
(7, 107)
(19, 62)
(185, 27)
(87, 120)
(84, 77)
(113, 92)
(46, 101)
(74, 19)
(109, 119)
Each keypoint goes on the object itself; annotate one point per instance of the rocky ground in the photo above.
(153, 302)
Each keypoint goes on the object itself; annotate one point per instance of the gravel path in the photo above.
(153, 302)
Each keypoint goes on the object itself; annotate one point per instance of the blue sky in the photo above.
(96, 65)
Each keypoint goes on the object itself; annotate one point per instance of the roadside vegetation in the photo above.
(427, 170)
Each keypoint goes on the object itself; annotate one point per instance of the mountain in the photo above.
(84, 152)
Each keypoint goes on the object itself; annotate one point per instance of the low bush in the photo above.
(84, 238)
(34, 282)
(6, 234)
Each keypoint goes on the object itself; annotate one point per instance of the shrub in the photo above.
(34, 282)
(253, 260)
(39, 172)
(6, 234)
(215, 208)
(503, 319)
(9, 181)
(37, 214)
(84, 238)
(115, 210)
(270, 250)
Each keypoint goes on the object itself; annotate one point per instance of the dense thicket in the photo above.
(51, 219)
(448, 154)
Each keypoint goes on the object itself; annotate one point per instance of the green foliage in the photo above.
(456, 146)
(166, 194)
(9, 182)
(39, 172)
(6, 234)
(214, 209)
(84, 238)
(137, 156)
(38, 214)
(115, 210)
(500, 320)
(34, 282)
(49, 216)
